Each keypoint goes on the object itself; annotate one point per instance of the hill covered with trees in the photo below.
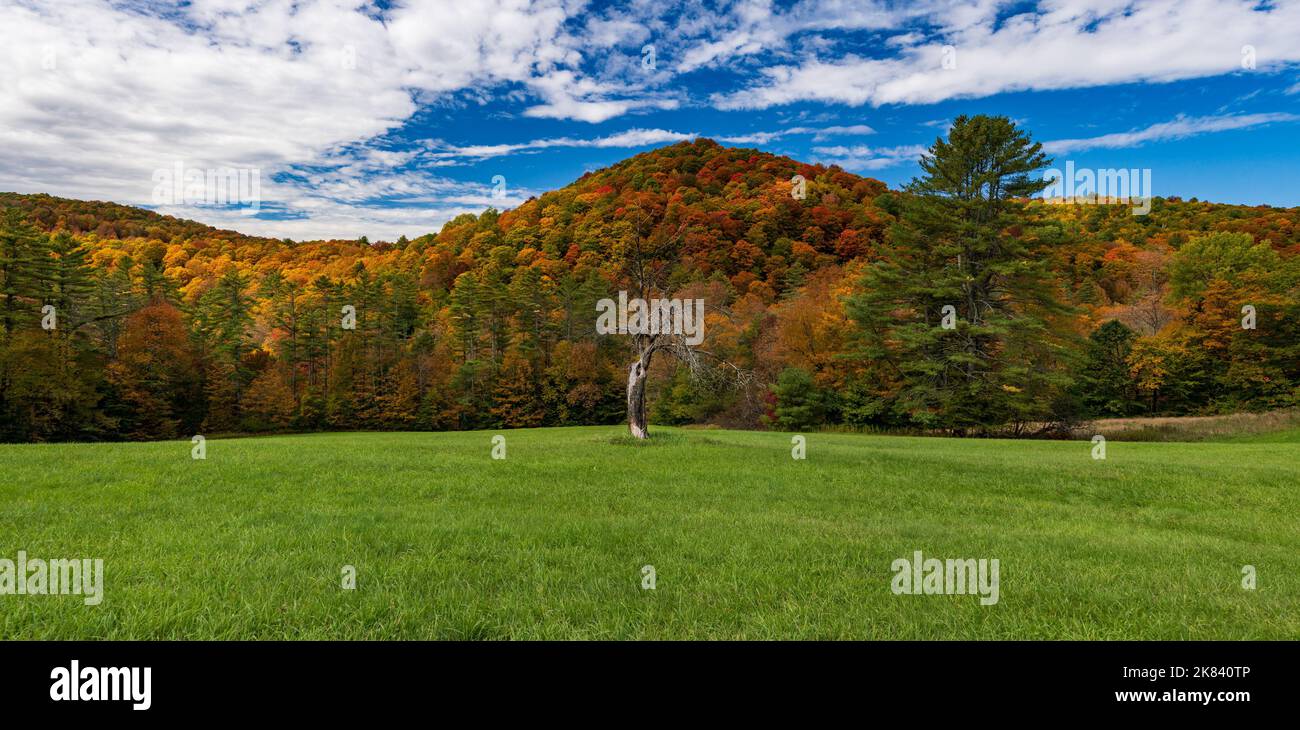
(165, 328)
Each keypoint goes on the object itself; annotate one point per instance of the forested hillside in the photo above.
(165, 328)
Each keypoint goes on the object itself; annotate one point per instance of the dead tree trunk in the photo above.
(636, 378)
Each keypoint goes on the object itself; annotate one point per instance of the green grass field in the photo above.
(747, 543)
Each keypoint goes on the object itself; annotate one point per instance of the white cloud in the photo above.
(95, 96)
(753, 27)
(861, 158)
(569, 95)
(629, 138)
(1179, 128)
(331, 221)
(818, 134)
(1070, 44)
(456, 154)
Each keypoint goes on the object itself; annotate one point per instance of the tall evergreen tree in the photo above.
(223, 317)
(111, 300)
(1107, 388)
(24, 267)
(960, 304)
(70, 283)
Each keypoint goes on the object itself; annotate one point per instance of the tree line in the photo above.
(958, 304)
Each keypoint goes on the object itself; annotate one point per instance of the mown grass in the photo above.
(747, 543)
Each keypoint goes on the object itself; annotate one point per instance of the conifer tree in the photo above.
(961, 304)
(24, 264)
(70, 283)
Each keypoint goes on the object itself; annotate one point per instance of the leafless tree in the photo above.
(648, 257)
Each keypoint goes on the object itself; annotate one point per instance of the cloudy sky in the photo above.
(390, 118)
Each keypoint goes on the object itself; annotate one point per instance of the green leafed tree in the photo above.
(1106, 388)
(799, 403)
(1230, 257)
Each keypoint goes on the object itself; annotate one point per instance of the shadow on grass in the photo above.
(662, 439)
(656, 439)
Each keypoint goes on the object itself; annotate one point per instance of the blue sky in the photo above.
(389, 119)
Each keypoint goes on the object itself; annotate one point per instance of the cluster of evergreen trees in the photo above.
(127, 356)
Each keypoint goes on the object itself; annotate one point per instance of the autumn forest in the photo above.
(823, 309)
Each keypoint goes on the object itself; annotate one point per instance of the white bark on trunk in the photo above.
(636, 378)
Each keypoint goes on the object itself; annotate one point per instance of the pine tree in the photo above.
(530, 295)
(111, 301)
(961, 305)
(70, 283)
(1107, 389)
(24, 267)
(464, 308)
(799, 404)
(222, 320)
(283, 307)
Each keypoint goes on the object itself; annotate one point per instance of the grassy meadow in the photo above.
(747, 543)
